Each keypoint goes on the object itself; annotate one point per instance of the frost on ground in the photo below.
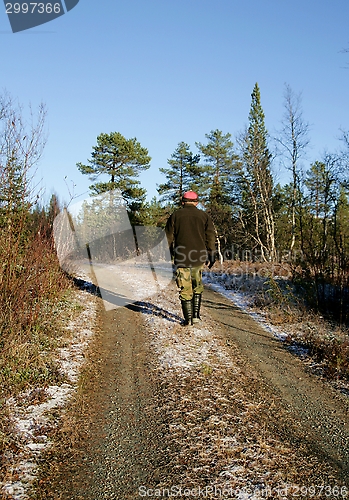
(215, 424)
(216, 420)
(293, 332)
(33, 413)
(243, 301)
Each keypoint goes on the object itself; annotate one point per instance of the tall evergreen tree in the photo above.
(218, 183)
(180, 175)
(323, 186)
(220, 164)
(258, 211)
(122, 160)
(53, 209)
(319, 182)
(13, 188)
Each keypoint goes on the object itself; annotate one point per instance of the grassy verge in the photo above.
(36, 299)
(270, 291)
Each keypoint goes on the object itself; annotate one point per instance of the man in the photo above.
(191, 237)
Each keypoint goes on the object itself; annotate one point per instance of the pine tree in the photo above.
(13, 189)
(258, 212)
(181, 176)
(155, 214)
(53, 209)
(218, 183)
(122, 160)
(221, 164)
(323, 187)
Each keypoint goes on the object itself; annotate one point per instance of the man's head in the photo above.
(190, 197)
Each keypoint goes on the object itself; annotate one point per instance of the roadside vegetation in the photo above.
(288, 305)
(304, 222)
(35, 295)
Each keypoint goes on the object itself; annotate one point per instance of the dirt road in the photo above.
(152, 419)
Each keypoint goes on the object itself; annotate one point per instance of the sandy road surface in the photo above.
(137, 425)
(318, 415)
(118, 446)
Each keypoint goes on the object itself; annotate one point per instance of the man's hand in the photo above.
(211, 259)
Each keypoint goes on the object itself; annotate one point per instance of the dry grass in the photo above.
(218, 427)
(270, 291)
(34, 293)
(34, 297)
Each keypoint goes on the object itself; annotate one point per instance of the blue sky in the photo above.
(166, 71)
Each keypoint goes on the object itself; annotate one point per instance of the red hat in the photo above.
(190, 196)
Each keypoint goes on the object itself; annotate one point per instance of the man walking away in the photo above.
(191, 237)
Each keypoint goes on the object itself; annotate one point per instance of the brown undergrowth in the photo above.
(271, 292)
(35, 300)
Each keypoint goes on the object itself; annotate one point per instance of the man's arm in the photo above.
(210, 236)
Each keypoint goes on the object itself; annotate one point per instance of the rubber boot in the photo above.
(196, 307)
(187, 308)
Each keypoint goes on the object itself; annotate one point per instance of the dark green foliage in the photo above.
(182, 175)
(257, 212)
(155, 214)
(323, 227)
(220, 168)
(219, 184)
(121, 160)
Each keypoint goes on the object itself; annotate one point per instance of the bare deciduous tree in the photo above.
(21, 145)
(294, 141)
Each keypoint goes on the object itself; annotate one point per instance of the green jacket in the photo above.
(191, 235)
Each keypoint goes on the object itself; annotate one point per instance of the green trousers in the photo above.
(189, 281)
